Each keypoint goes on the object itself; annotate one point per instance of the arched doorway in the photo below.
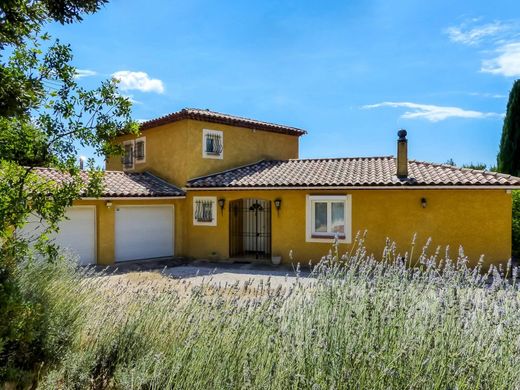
(250, 228)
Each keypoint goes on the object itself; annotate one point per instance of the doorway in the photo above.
(250, 228)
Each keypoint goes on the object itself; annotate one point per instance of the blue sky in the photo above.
(349, 72)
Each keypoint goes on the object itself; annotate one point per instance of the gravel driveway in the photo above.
(231, 273)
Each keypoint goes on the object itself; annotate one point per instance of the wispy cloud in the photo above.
(431, 112)
(80, 73)
(487, 95)
(506, 63)
(467, 34)
(139, 81)
(502, 38)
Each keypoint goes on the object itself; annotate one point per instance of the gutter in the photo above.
(135, 198)
(455, 187)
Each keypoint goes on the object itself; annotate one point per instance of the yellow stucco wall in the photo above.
(174, 151)
(479, 220)
(105, 224)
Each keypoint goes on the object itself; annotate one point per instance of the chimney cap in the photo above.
(402, 134)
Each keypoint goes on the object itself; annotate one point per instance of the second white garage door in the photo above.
(143, 232)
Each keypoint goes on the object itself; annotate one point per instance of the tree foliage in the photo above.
(44, 116)
(508, 160)
(19, 19)
(477, 166)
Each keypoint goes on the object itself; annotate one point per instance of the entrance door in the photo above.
(250, 228)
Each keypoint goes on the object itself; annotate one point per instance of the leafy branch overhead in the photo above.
(45, 115)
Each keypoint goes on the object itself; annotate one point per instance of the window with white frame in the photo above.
(205, 210)
(212, 144)
(140, 150)
(128, 156)
(328, 217)
(134, 152)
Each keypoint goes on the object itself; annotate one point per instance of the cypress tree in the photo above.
(508, 160)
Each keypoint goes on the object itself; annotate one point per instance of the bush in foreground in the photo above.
(360, 324)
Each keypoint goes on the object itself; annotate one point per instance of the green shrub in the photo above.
(516, 224)
(39, 307)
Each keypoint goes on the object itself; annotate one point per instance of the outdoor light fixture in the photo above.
(108, 204)
(221, 203)
(278, 204)
(423, 203)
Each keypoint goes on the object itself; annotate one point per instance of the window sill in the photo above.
(328, 236)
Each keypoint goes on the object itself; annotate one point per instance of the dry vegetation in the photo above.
(360, 324)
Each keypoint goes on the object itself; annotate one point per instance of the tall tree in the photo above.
(508, 160)
(44, 115)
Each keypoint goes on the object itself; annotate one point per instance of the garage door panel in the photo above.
(143, 232)
(76, 235)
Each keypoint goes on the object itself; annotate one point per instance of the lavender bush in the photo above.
(360, 323)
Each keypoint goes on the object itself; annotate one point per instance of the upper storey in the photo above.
(192, 143)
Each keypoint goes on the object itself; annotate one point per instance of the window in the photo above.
(205, 210)
(128, 157)
(212, 144)
(134, 152)
(140, 150)
(328, 217)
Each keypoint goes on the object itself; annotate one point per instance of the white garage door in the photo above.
(144, 232)
(77, 233)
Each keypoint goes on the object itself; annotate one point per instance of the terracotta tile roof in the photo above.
(349, 172)
(217, 117)
(123, 184)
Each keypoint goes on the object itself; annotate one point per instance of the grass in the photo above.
(362, 323)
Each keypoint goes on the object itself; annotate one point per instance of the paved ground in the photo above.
(197, 272)
(230, 273)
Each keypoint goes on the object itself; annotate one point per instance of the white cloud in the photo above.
(140, 81)
(433, 113)
(488, 95)
(506, 63)
(85, 73)
(474, 35)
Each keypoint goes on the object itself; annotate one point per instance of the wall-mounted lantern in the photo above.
(221, 203)
(424, 203)
(278, 204)
(108, 204)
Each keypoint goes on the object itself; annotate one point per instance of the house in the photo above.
(202, 184)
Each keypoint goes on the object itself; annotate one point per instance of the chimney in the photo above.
(402, 154)
(82, 162)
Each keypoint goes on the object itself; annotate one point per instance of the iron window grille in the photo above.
(128, 158)
(139, 150)
(214, 144)
(204, 211)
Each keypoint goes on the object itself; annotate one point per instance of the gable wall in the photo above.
(174, 150)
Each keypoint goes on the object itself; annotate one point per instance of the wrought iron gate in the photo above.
(250, 228)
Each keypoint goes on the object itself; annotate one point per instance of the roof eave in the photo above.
(366, 187)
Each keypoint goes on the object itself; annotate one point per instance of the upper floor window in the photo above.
(328, 217)
(128, 156)
(212, 144)
(140, 150)
(134, 152)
